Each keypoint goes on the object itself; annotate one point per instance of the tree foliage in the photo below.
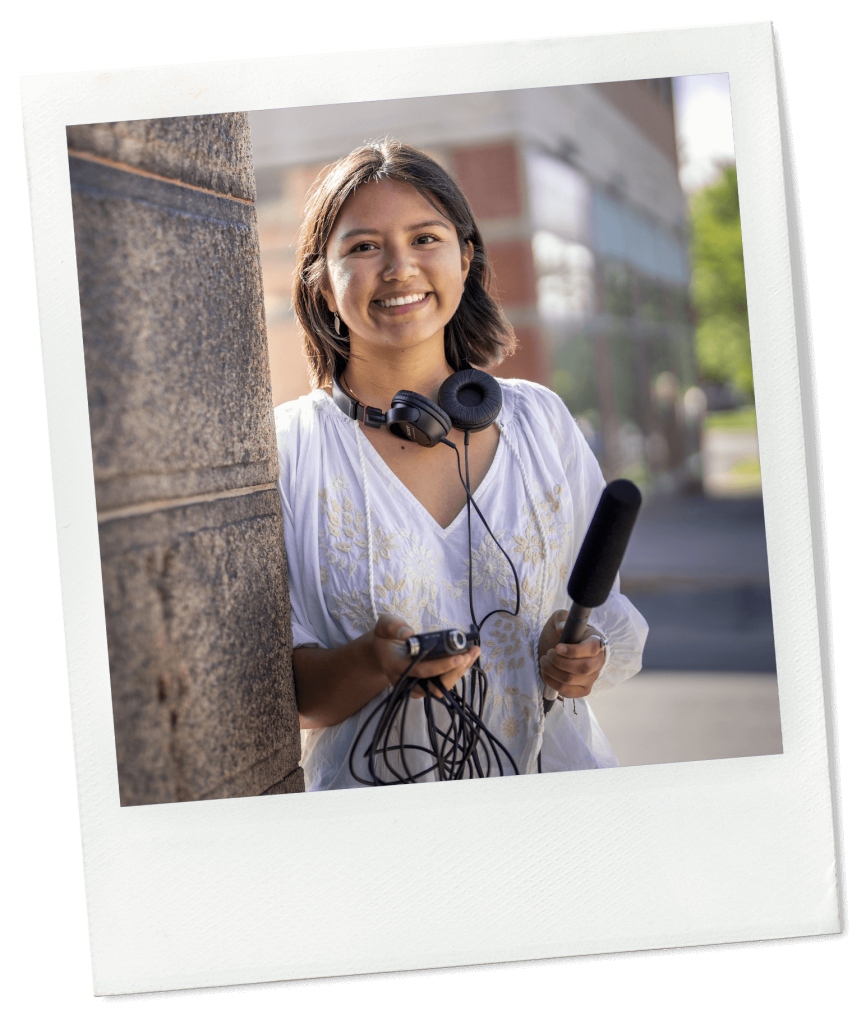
(719, 285)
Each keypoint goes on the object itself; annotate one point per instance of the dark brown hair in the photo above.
(477, 334)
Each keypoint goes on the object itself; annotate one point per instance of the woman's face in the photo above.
(395, 268)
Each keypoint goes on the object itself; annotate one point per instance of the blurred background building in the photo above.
(611, 217)
(578, 198)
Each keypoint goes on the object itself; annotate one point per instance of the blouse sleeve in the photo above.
(293, 424)
(618, 619)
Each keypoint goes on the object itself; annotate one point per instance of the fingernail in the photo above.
(561, 649)
(405, 631)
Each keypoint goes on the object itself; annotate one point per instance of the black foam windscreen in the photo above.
(604, 545)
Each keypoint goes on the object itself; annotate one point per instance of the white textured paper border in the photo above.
(305, 885)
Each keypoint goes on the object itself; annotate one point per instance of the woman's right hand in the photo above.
(388, 638)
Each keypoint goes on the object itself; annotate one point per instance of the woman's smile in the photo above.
(402, 303)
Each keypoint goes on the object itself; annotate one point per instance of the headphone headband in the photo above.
(369, 416)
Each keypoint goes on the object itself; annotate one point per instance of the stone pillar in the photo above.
(184, 456)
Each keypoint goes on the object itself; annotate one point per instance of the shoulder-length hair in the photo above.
(478, 334)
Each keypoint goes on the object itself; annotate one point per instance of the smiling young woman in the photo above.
(392, 293)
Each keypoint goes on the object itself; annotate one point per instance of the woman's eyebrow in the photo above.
(357, 231)
(412, 227)
(429, 224)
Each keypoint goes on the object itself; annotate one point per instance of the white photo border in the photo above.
(322, 884)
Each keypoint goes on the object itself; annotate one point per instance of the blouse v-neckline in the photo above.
(374, 456)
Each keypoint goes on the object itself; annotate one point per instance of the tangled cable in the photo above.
(460, 744)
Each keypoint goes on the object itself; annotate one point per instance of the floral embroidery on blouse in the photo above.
(383, 544)
(388, 596)
(520, 704)
(490, 571)
(556, 530)
(346, 528)
(511, 640)
(353, 608)
(423, 568)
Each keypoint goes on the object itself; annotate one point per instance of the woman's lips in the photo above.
(403, 307)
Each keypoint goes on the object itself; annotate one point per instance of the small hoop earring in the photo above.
(337, 323)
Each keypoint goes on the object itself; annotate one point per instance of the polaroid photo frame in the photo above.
(312, 885)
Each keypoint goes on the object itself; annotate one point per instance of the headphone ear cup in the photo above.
(415, 417)
(472, 399)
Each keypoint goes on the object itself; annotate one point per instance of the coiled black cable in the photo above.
(460, 746)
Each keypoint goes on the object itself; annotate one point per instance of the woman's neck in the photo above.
(374, 380)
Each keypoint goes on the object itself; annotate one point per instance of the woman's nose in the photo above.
(400, 265)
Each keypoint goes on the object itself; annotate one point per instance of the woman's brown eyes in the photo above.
(368, 246)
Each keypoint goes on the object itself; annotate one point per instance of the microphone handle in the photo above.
(576, 628)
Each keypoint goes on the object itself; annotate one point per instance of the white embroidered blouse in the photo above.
(359, 543)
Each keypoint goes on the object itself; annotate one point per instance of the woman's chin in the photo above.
(403, 337)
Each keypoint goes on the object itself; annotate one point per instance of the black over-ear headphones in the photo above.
(469, 400)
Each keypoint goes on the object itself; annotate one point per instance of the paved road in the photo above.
(696, 568)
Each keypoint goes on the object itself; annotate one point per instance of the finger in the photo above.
(430, 689)
(575, 666)
(446, 667)
(575, 673)
(564, 684)
(588, 648)
(576, 692)
(392, 627)
(450, 671)
(462, 664)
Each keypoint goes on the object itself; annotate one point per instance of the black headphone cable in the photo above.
(470, 504)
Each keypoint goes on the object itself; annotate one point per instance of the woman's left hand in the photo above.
(570, 669)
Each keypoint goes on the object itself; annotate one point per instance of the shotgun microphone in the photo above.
(598, 561)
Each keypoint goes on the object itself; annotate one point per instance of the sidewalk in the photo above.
(662, 717)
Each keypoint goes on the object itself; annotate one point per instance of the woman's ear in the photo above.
(466, 257)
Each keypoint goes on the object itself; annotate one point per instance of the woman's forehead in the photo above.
(386, 205)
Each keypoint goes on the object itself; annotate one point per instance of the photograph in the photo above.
(267, 311)
(594, 271)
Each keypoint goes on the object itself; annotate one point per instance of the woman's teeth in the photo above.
(404, 300)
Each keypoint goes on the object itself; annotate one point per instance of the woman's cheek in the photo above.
(340, 280)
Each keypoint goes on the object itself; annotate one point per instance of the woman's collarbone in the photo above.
(430, 474)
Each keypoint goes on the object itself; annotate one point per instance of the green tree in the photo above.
(719, 285)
